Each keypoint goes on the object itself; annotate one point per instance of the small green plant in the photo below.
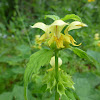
(53, 41)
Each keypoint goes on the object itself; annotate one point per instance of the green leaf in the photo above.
(60, 89)
(80, 53)
(72, 16)
(6, 96)
(66, 80)
(37, 60)
(18, 93)
(49, 79)
(54, 17)
(96, 56)
(85, 86)
(83, 54)
(70, 94)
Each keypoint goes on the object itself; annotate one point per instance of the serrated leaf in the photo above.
(83, 54)
(66, 80)
(85, 86)
(96, 56)
(49, 80)
(54, 17)
(70, 94)
(72, 16)
(37, 60)
(60, 89)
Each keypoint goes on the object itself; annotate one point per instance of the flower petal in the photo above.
(42, 38)
(51, 40)
(72, 41)
(74, 25)
(40, 25)
(50, 69)
(59, 42)
(57, 26)
(59, 23)
(66, 38)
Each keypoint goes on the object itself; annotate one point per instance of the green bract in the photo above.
(65, 81)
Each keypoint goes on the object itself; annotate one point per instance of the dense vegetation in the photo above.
(17, 43)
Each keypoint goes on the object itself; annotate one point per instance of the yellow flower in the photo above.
(37, 37)
(96, 36)
(91, 0)
(37, 44)
(53, 33)
(99, 43)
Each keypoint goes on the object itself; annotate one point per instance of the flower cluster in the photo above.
(53, 35)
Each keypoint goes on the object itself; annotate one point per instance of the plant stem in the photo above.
(56, 75)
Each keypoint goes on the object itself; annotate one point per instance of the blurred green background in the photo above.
(17, 44)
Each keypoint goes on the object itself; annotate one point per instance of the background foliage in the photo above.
(17, 44)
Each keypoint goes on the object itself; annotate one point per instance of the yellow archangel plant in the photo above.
(55, 39)
(53, 33)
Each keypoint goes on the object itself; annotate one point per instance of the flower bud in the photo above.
(52, 62)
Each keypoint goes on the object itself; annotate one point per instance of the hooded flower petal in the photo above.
(51, 40)
(74, 25)
(41, 26)
(59, 23)
(57, 26)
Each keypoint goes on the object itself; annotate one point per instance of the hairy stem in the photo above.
(56, 75)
